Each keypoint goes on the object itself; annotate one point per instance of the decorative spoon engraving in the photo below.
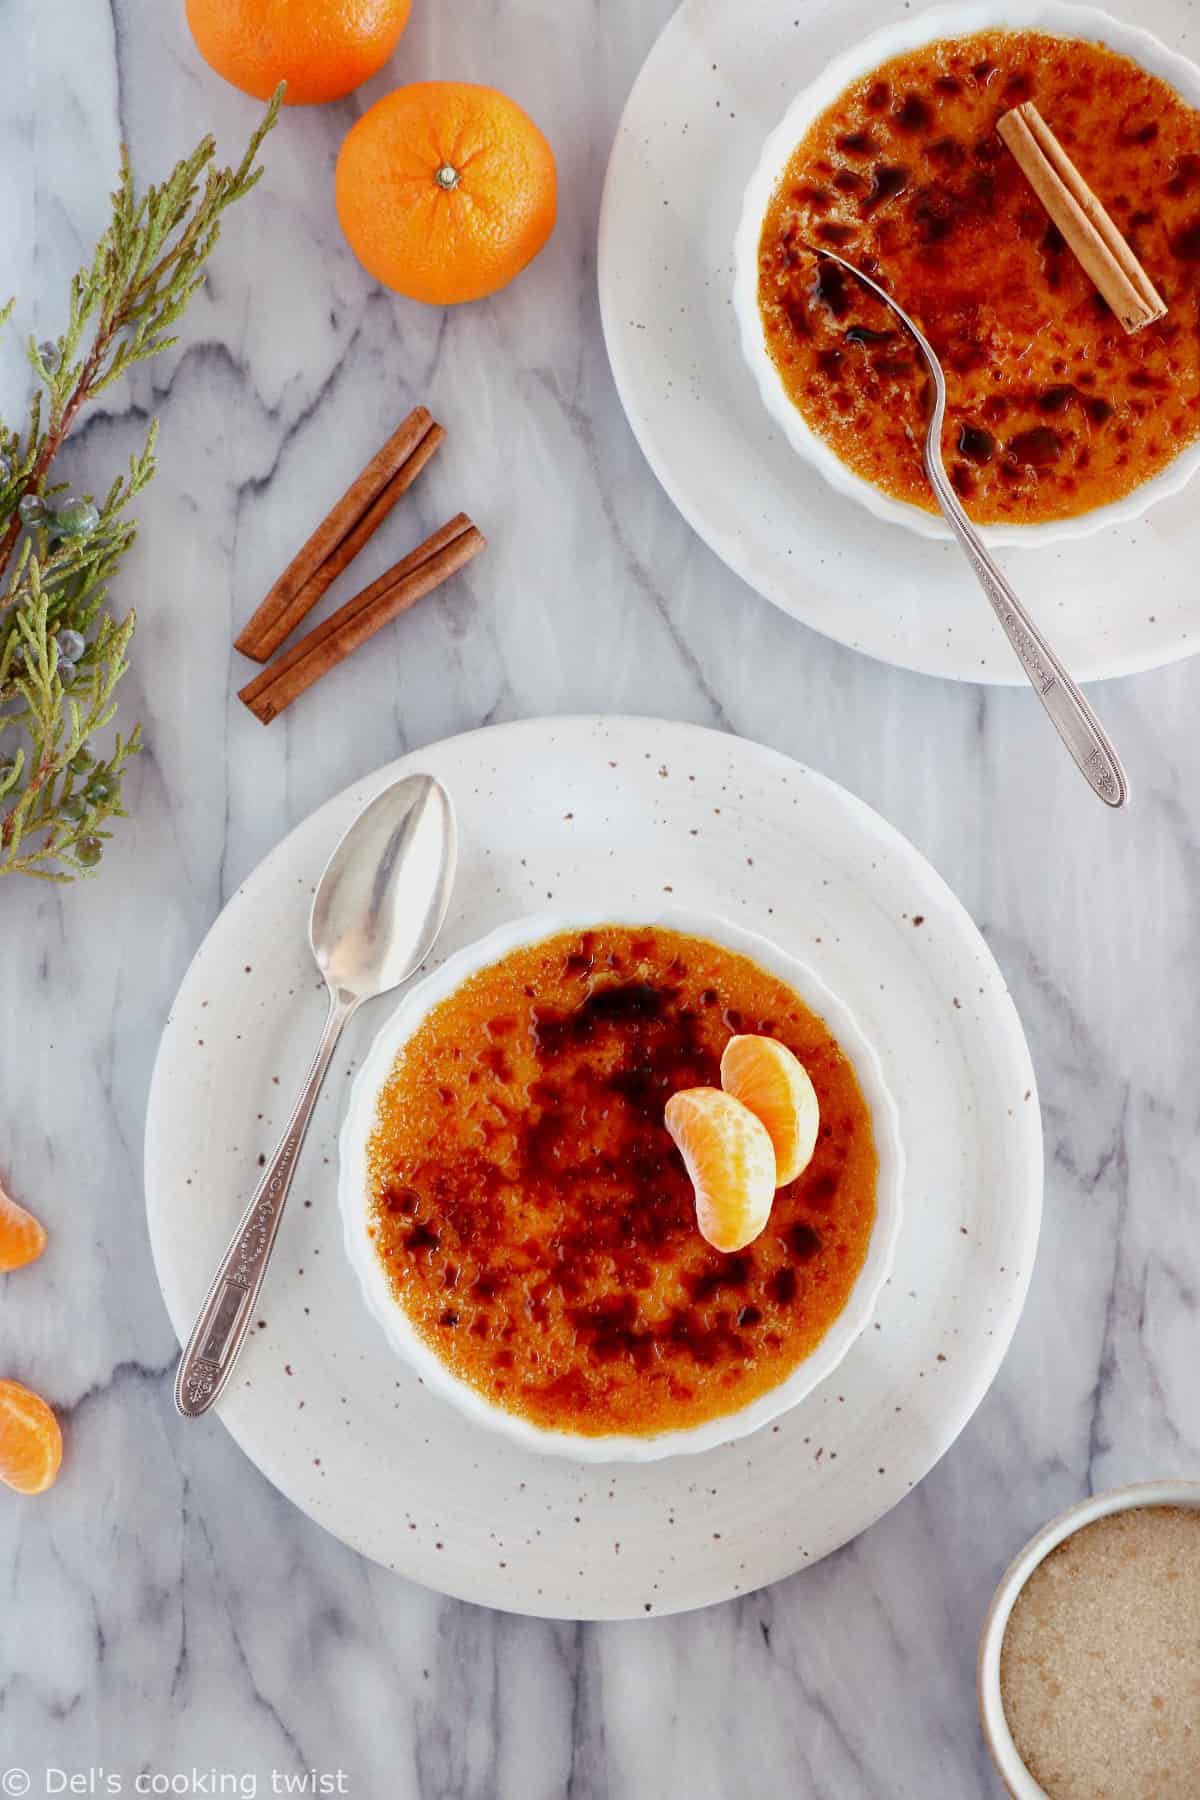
(376, 914)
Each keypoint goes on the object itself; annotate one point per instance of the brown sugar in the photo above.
(536, 1220)
(1100, 1666)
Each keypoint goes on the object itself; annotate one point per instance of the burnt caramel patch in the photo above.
(937, 210)
(541, 1230)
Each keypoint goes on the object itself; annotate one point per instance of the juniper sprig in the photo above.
(61, 651)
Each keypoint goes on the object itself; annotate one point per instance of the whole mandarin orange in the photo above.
(446, 190)
(321, 48)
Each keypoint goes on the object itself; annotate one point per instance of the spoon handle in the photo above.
(1070, 713)
(220, 1330)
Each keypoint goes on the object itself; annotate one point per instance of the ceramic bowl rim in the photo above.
(996, 1734)
(442, 981)
(1060, 17)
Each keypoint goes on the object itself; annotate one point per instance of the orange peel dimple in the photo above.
(22, 1237)
(731, 1161)
(768, 1078)
(30, 1440)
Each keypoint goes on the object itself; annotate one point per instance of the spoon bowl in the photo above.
(380, 903)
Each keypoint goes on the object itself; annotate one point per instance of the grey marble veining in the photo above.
(164, 1609)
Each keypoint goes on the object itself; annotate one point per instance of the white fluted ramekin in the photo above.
(997, 1736)
(354, 1192)
(910, 33)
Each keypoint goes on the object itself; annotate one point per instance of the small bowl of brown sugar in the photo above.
(1089, 1662)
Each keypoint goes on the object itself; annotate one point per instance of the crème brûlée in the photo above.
(1053, 409)
(536, 1221)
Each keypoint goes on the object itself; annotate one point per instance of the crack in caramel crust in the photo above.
(535, 1218)
(1052, 408)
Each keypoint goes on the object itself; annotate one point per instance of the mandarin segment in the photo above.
(22, 1237)
(731, 1161)
(445, 191)
(768, 1078)
(321, 48)
(30, 1440)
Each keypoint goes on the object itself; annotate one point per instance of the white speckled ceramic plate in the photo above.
(713, 89)
(562, 813)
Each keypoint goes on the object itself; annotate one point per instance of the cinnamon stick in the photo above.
(326, 574)
(448, 550)
(1087, 228)
(341, 534)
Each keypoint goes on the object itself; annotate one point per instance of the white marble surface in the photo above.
(163, 1609)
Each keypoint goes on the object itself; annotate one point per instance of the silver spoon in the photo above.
(1070, 714)
(376, 913)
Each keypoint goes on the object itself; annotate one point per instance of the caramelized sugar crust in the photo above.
(535, 1218)
(1052, 408)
